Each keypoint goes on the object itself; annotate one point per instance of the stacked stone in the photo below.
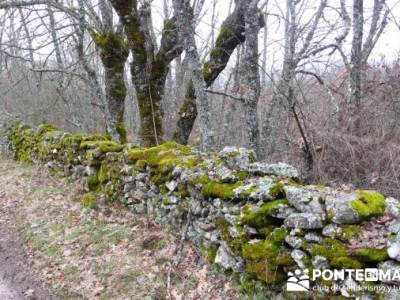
(250, 217)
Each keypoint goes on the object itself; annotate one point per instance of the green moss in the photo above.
(103, 146)
(92, 182)
(88, 200)
(266, 259)
(101, 175)
(242, 175)
(141, 164)
(276, 190)
(170, 153)
(44, 128)
(262, 216)
(121, 130)
(235, 244)
(336, 253)
(209, 252)
(350, 231)
(247, 192)
(76, 139)
(369, 203)
(113, 49)
(183, 191)
(220, 190)
(371, 255)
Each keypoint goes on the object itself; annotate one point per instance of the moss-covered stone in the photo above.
(262, 216)
(369, 204)
(371, 255)
(44, 128)
(92, 182)
(236, 244)
(266, 259)
(224, 191)
(336, 253)
(103, 146)
(349, 231)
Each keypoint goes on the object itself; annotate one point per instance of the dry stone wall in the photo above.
(252, 218)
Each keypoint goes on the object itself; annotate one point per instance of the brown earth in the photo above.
(48, 239)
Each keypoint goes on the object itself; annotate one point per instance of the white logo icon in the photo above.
(299, 281)
(371, 274)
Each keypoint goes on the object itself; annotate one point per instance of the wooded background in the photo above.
(315, 83)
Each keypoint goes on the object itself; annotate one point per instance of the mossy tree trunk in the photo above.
(114, 53)
(149, 69)
(231, 34)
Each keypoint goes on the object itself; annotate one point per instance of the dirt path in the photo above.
(102, 253)
(16, 279)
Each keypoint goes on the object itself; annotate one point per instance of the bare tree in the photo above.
(360, 53)
(184, 14)
(251, 73)
(231, 34)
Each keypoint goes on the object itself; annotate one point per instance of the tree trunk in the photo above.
(149, 69)
(251, 74)
(356, 67)
(113, 54)
(231, 34)
(184, 14)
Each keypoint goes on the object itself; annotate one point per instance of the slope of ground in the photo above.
(106, 253)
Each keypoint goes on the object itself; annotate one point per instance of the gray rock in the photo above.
(319, 262)
(79, 171)
(232, 219)
(177, 171)
(212, 236)
(139, 208)
(236, 157)
(313, 237)
(293, 241)
(349, 288)
(279, 169)
(282, 211)
(225, 174)
(304, 221)
(299, 256)
(331, 230)
(227, 260)
(394, 226)
(303, 200)
(172, 185)
(250, 230)
(234, 232)
(393, 247)
(392, 267)
(392, 207)
(339, 209)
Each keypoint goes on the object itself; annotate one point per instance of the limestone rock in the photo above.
(331, 230)
(304, 200)
(279, 169)
(304, 221)
(339, 209)
(227, 260)
(172, 185)
(394, 247)
(392, 207)
(236, 157)
(319, 262)
(299, 256)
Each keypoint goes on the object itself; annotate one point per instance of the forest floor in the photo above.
(48, 242)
